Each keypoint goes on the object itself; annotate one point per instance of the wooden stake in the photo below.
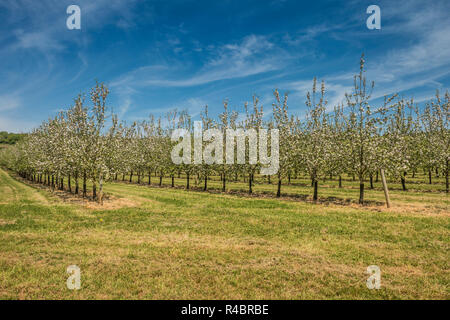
(385, 189)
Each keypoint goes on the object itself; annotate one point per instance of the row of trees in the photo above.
(10, 138)
(86, 144)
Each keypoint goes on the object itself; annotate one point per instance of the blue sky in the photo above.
(160, 55)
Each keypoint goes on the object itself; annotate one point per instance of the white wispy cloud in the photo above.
(334, 91)
(84, 65)
(253, 55)
(37, 34)
(16, 125)
(424, 60)
(8, 102)
(417, 62)
(36, 40)
(192, 105)
(124, 107)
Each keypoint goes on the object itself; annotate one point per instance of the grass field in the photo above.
(163, 243)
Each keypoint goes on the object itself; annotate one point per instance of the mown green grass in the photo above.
(178, 244)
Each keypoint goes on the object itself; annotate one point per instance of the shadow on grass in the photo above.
(65, 194)
(266, 195)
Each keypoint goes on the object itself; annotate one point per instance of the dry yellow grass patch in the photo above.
(4, 222)
(112, 203)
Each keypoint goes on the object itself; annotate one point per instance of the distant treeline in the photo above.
(10, 138)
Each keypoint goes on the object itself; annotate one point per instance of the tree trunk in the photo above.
(224, 181)
(279, 187)
(187, 180)
(376, 177)
(69, 185)
(268, 179)
(173, 181)
(340, 181)
(139, 177)
(160, 180)
(402, 178)
(100, 192)
(149, 178)
(131, 176)
(250, 183)
(446, 176)
(123, 176)
(84, 185)
(289, 178)
(206, 183)
(361, 192)
(371, 181)
(316, 185)
(76, 184)
(429, 176)
(94, 191)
